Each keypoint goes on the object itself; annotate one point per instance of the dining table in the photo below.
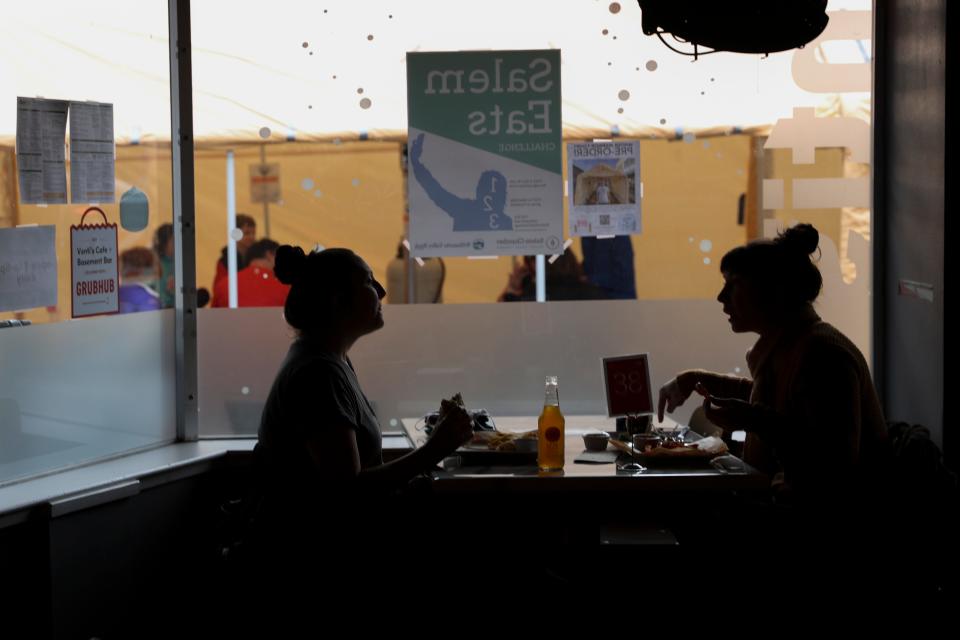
(470, 470)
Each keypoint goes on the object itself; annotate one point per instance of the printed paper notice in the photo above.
(265, 182)
(485, 153)
(28, 268)
(41, 127)
(95, 278)
(604, 188)
(91, 153)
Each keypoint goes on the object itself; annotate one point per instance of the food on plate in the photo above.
(500, 440)
(705, 448)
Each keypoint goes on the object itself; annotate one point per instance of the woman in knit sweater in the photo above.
(809, 408)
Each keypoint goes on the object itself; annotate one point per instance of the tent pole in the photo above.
(409, 276)
(231, 225)
(266, 205)
(541, 278)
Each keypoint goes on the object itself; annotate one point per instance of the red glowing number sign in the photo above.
(627, 382)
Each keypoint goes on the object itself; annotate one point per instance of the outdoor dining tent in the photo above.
(320, 89)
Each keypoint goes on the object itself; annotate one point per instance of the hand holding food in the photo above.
(454, 426)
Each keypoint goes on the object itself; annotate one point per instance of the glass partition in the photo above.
(304, 131)
(86, 348)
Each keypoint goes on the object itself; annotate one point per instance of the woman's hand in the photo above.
(730, 414)
(672, 395)
(453, 430)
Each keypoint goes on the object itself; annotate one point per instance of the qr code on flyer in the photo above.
(604, 220)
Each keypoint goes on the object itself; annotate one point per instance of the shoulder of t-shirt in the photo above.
(306, 362)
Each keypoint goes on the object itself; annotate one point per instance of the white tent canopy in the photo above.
(309, 71)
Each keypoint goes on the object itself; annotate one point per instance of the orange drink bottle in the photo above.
(550, 454)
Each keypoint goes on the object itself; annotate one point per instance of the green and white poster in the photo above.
(485, 165)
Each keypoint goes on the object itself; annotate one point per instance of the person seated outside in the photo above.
(325, 506)
(138, 276)
(565, 281)
(608, 264)
(248, 226)
(428, 278)
(163, 248)
(257, 285)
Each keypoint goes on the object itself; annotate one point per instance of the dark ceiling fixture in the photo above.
(740, 26)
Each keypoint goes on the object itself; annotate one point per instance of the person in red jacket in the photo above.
(248, 226)
(257, 286)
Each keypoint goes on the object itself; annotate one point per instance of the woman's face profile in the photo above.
(366, 313)
(742, 303)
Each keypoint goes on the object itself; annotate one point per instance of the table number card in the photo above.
(627, 383)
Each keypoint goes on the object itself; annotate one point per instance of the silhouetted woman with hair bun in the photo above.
(325, 508)
(810, 410)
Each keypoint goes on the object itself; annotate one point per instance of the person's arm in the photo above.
(819, 441)
(718, 384)
(320, 402)
(336, 459)
(450, 203)
(676, 391)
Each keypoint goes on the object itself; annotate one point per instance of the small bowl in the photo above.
(644, 441)
(596, 441)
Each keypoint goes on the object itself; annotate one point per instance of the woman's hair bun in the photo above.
(801, 238)
(290, 264)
